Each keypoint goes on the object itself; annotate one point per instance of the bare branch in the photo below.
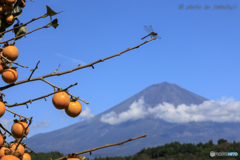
(30, 101)
(13, 62)
(33, 70)
(16, 113)
(57, 68)
(107, 145)
(77, 98)
(30, 149)
(68, 71)
(34, 19)
(46, 26)
(50, 83)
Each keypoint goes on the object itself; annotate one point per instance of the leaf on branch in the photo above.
(12, 44)
(18, 6)
(82, 157)
(51, 12)
(19, 31)
(17, 11)
(55, 23)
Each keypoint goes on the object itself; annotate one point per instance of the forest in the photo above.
(170, 151)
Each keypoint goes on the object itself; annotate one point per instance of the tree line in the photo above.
(170, 151)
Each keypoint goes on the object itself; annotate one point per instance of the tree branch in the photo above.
(16, 113)
(107, 145)
(34, 19)
(13, 62)
(77, 68)
(30, 101)
(33, 70)
(46, 26)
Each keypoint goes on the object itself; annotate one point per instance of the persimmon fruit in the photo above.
(9, 75)
(10, 1)
(2, 9)
(10, 52)
(74, 108)
(10, 19)
(2, 109)
(1, 68)
(26, 156)
(20, 148)
(1, 140)
(60, 100)
(2, 151)
(19, 128)
(9, 157)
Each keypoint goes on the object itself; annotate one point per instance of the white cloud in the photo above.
(136, 111)
(72, 59)
(43, 123)
(6, 123)
(86, 114)
(225, 110)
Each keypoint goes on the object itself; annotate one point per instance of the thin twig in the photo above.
(77, 98)
(16, 113)
(57, 68)
(31, 100)
(33, 70)
(34, 19)
(13, 62)
(107, 145)
(49, 83)
(46, 26)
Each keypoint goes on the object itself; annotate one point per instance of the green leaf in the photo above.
(12, 44)
(18, 6)
(17, 12)
(51, 12)
(55, 23)
(82, 157)
(20, 31)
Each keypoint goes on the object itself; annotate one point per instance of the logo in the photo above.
(212, 154)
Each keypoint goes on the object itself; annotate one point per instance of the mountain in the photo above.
(94, 133)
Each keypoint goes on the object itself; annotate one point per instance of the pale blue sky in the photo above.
(198, 50)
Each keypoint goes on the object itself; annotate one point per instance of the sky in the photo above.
(198, 51)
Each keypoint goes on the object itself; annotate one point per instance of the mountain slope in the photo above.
(94, 133)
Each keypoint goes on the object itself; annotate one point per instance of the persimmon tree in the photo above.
(62, 99)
